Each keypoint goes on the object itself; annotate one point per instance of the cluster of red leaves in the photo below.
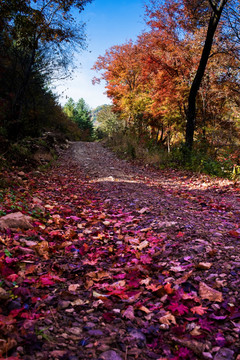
(100, 256)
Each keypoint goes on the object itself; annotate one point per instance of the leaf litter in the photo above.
(120, 262)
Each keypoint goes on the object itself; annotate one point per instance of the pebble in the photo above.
(224, 354)
(215, 307)
(207, 355)
(47, 321)
(137, 335)
(103, 347)
(96, 333)
(90, 324)
(20, 349)
(75, 330)
(64, 304)
(222, 275)
(110, 355)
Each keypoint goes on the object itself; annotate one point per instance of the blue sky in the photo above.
(108, 23)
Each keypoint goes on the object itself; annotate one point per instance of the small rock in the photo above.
(103, 347)
(29, 242)
(15, 221)
(20, 350)
(58, 353)
(206, 292)
(36, 201)
(15, 304)
(137, 335)
(96, 333)
(75, 330)
(224, 354)
(204, 265)
(222, 275)
(216, 349)
(207, 355)
(110, 355)
(215, 307)
(164, 327)
(64, 304)
(90, 324)
(3, 294)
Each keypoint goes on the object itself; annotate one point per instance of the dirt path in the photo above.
(123, 263)
(168, 195)
(196, 214)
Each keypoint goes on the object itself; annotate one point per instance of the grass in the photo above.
(202, 159)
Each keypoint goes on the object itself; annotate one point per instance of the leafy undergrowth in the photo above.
(95, 278)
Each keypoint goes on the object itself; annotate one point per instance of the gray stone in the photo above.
(110, 355)
(96, 333)
(224, 354)
(64, 304)
(15, 221)
(137, 335)
(3, 294)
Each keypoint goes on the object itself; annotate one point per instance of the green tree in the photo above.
(69, 108)
(107, 121)
(80, 113)
(35, 37)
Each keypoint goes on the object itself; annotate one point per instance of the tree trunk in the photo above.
(191, 110)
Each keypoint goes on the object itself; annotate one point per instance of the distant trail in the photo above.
(99, 162)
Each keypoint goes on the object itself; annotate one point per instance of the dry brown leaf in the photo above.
(144, 309)
(73, 287)
(6, 345)
(184, 278)
(129, 313)
(168, 319)
(42, 249)
(143, 245)
(206, 292)
(143, 210)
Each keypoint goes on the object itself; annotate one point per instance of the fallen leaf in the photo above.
(129, 313)
(168, 319)
(206, 292)
(200, 310)
(73, 287)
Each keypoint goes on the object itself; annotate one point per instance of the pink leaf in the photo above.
(180, 309)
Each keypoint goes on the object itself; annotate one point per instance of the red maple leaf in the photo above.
(180, 309)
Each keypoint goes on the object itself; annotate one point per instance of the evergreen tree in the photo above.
(80, 113)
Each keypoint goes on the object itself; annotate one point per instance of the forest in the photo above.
(175, 90)
(178, 84)
(37, 40)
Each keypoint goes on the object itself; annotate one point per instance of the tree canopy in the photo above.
(36, 40)
(80, 114)
(169, 83)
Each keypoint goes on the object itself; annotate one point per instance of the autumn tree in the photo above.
(108, 122)
(121, 69)
(151, 81)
